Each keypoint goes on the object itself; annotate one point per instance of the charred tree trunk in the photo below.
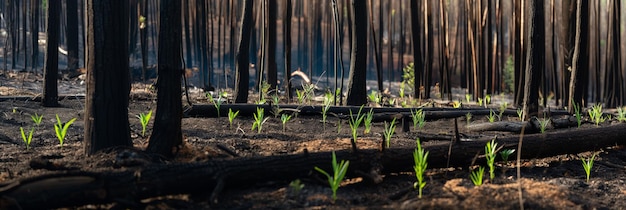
(614, 82)
(287, 48)
(358, 61)
(166, 132)
(578, 78)
(270, 56)
(242, 74)
(71, 32)
(534, 59)
(51, 68)
(34, 34)
(108, 78)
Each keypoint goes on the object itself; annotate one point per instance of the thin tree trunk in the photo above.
(72, 34)
(287, 48)
(418, 70)
(534, 59)
(580, 59)
(358, 62)
(51, 68)
(242, 74)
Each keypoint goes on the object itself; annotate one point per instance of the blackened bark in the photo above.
(418, 64)
(166, 133)
(71, 32)
(51, 68)
(358, 61)
(242, 74)
(108, 78)
(580, 60)
(534, 59)
(287, 47)
(270, 62)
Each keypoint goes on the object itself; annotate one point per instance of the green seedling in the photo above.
(61, 129)
(401, 91)
(367, 121)
(490, 155)
(284, 119)
(492, 116)
(456, 104)
(325, 109)
(296, 185)
(504, 154)
(144, 119)
(418, 118)
(374, 97)
(231, 116)
(588, 164)
(543, 123)
(487, 100)
(300, 95)
(468, 117)
(621, 114)
(577, 113)
(389, 130)
(595, 114)
(502, 109)
(520, 115)
(355, 122)
(477, 176)
(217, 103)
(480, 102)
(339, 126)
(36, 119)
(420, 158)
(28, 139)
(259, 119)
(468, 98)
(339, 171)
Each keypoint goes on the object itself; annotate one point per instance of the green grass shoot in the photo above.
(367, 121)
(389, 130)
(355, 122)
(259, 119)
(504, 154)
(490, 155)
(418, 118)
(231, 116)
(36, 119)
(61, 129)
(339, 172)
(420, 158)
(588, 165)
(284, 119)
(28, 139)
(144, 119)
(543, 124)
(477, 176)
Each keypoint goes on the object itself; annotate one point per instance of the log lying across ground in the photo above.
(381, 113)
(132, 184)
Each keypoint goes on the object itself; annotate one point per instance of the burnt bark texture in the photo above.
(51, 68)
(534, 59)
(166, 133)
(71, 34)
(579, 74)
(358, 61)
(418, 63)
(242, 74)
(108, 77)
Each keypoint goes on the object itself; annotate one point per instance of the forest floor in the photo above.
(556, 182)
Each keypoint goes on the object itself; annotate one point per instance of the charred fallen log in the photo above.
(84, 187)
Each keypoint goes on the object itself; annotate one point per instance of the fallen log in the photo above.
(131, 185)
(380, 113)
(532, 126)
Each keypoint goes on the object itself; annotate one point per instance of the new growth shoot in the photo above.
(61, 129)
(144, 119)
(420, 158)
(339, 171)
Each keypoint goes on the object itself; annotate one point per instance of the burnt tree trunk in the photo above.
(534, 59)
(108, 77)
(418, 64)
(580, 61)
(51, 68)
(71, 32)
(358, 61)
(270, 62)
(166, 132)
(287, 48)
(242, 74)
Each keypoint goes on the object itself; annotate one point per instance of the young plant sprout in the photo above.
(420, 158)
(468, 98)
(325, 109)
(456, 104)
(389, 130)
(26, 139)
(217, 103)
(401, 91)
(477, 176)
(543, 123)
(520, 114)
(374, 97)
(144, 119)
(577, 113)
(36, 119)
(468, 117)
(492, 116)
(284, 119)
(296, 185)
(621, 114)
(61, 129)
(300, 94)
(588, 164)
(231, 116)
(418, 118)
(259, 119)
(595, 114)
(480, 102)
(355, 122)
(490, 155)
(487, 100)
(339, 171)
(504, 154)
(367, 121)
(502, 109)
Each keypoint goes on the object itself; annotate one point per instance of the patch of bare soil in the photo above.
(548, 183)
